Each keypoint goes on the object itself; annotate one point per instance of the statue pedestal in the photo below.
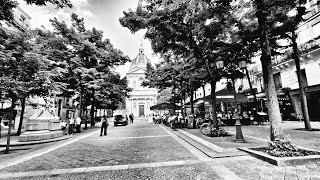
(42, 125)
(39, 135)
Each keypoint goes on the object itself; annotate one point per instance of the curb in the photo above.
(18, 143)
(282, 161)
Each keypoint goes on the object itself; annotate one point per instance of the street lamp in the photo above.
(239, 136)
(241, 65)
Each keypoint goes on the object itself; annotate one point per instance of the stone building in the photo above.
(141, 98)
(20, 22)
(284, 69)
(285, 73)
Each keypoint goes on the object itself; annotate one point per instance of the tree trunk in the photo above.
(276, 131)
(303, 96)
(253, 93)
(184, 104)
(174, 96)
(192, 110)
(92, 109)
(191, 104)
(23, 105)
(10, 124)
(213, 104)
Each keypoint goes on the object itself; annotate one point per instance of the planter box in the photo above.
(282, 161)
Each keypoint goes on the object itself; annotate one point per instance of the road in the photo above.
(141, 150)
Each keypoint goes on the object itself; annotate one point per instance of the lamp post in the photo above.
(239, 135)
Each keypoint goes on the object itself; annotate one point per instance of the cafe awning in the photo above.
(225, 95)
(164, 106)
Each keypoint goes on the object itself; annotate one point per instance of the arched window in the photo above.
(140, 82)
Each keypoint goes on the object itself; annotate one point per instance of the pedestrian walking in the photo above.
(71, 125)
(104, 125)
(131, 117)
(78, 124)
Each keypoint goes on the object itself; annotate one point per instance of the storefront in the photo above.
(284, 100)
(313, 100)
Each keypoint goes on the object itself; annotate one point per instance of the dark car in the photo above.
(120, 119)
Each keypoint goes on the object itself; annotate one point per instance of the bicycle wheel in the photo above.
(205, 128)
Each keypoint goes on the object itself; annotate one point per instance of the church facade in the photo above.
(140, 98)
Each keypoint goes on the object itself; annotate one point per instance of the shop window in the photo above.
(277, 80)
(22, 18)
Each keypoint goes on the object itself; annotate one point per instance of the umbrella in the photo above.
(163, 106)
(225, 95)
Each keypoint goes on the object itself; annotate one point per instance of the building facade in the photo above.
(141, 98)
(284, 68)
(21, 21)
(285, 74)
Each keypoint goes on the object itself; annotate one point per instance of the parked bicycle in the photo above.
(209, 129)
(200, 121)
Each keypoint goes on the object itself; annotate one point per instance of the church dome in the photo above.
(139, 62)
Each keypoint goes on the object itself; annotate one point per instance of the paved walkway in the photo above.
(229, 168)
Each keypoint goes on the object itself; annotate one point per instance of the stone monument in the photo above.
(44, 124)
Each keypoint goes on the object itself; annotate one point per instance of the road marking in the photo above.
(28, 157)
(137, 137)
(121, 129)
(98, 168)
(213, 163)
(224, 173)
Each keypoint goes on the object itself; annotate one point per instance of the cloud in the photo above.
(41, 14)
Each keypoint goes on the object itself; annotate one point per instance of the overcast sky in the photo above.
(102, 14)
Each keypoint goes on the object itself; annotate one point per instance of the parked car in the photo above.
(120, 119)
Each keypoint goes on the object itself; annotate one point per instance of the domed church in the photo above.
(141, 98)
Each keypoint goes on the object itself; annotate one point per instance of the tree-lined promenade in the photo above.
(196, 37)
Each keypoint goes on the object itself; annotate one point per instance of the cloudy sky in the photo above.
(102, 14)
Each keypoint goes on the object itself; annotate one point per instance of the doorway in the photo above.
(141, 110)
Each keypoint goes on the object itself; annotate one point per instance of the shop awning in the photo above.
(225, 95)
(280, 94)
(164, 106)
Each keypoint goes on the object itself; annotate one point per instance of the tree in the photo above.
(288, 25)
(91, 60)
(170, 28)
(23, 72)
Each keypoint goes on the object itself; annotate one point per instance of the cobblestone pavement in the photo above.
(143, 150)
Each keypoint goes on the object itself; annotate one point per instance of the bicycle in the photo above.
(208, 129)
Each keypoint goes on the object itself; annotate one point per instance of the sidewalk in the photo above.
(255, 135)
(259, 135)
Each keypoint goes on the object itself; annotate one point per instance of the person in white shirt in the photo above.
(78, 124)
(71, 125)
(63, 126)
